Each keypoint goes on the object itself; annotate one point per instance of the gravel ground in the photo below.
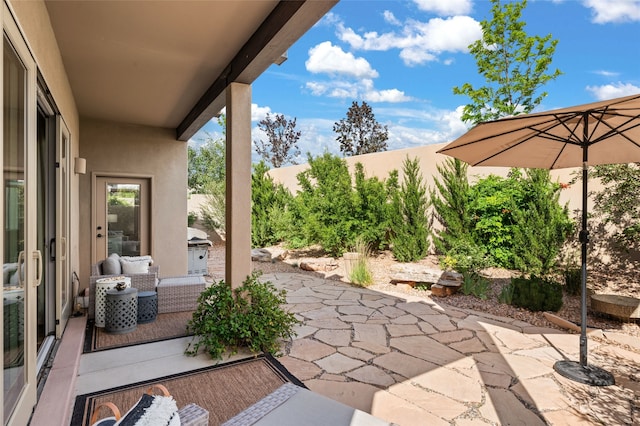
(599, 281)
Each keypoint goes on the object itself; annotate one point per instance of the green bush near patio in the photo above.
(333, 211)
(249, 316)
(516, 222)
(537, 294)
(270, 219)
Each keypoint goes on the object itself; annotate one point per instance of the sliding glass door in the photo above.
(22, 263)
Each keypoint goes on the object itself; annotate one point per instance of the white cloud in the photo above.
(445, 8)
(330, 59)
(390, 18)
(605, 73)
(606, 11)
(359, 89)
(391, 95)
(615, 90)
(419, 42)
(258, 112)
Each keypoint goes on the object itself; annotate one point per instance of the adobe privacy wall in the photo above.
(117, 149)
(379, 164)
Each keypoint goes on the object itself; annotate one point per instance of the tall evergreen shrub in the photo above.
(371, 210)
(450, 202)
(542, 224)
(409, 228)
(325, 204)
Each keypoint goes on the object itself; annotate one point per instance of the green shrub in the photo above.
(212, 212)
(474, 284)
(409, 230)
(191, 218)
(371, 209)
(506, 294)
(249, 316)
(573, 281)
(269, 208)
(331, 211)
(542, 225)
(451, 204)
(465, 256)
(537, 294)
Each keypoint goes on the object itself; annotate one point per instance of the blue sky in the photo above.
(404, 58)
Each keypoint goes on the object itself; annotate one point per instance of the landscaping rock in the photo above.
(320, 264)
(261, 255)
(412, 273)
(443, 291)
(624, 308)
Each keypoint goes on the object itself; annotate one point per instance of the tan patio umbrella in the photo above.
(606, 132)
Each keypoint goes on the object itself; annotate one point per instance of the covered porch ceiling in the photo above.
(167, 63)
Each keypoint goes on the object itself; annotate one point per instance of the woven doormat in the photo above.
(223, 390)
(166, 326)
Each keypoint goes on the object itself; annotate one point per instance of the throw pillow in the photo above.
(139, 267)
(111, 265)
(152, 410)
(138, 258)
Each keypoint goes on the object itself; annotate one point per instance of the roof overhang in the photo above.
(168, 63)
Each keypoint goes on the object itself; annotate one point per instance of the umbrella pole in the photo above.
(582, 372)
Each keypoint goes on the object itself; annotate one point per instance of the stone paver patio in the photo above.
(414, 362)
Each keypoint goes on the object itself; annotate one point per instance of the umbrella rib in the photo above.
(614, 130)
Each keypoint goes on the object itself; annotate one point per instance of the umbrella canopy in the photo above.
(606, 132)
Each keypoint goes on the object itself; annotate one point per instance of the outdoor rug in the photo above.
(224, 390)
(166, 326)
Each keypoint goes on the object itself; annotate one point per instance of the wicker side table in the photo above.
(121, 311)
(147, 306)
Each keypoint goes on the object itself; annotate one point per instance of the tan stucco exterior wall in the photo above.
(130, 150)
(380, 164)
(33, 20)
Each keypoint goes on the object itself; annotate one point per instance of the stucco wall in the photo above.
(131, 150)
(379, 164)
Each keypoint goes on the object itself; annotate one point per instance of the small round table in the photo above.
(102, 286)
(147, 306)
(121, 311)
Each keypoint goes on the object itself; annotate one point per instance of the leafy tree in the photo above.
(409, 229)
(513, 64)
(360, 133)
(619, 200)
(281, 147)
(207, 175)
(206, 164)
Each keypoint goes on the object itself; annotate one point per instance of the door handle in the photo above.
(21, 269)
(37, 256)
(52, 250)
(99, 235)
